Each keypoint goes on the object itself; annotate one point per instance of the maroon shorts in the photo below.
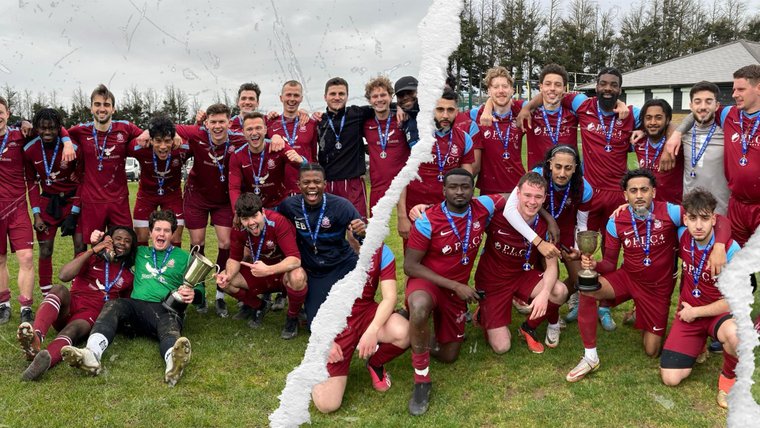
(52, 223)
(448, 310)
(375, 193)
(652, 300)
(197, 212)
(496, 306)
(100, 215)
(358, 322)
(145, 205)
(15, 224)
(82, 307)
(601, 206)
(260, 285)
(352, 189)
(688, 338)
(745, 219)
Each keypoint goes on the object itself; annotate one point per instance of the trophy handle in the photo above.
(218, 269)
(194, 249)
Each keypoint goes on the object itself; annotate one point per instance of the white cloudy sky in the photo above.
(205, 46)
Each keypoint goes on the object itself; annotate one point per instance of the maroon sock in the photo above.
(552, 313)
(729, 365)
(55, 349)
(45, 270)
(587, 321)
(25, 301)
(385, 353)
(421, 363)
(47, 313)
(5, 296)
(295, 300)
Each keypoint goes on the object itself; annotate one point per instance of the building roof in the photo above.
(715, 65)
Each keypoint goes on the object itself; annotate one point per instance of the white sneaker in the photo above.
(552, 336)
(584, 367)
(175, 365)
(81, 358)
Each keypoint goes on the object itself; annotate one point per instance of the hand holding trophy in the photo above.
(588, 241)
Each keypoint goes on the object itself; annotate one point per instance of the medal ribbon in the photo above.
(383, 136)
(503, 138)
(636, 230)
(698, 269)
(468, 228)
(107, 286)
(658, 150)
(5, 141)
(161, 177)
(256, 254)
(695, 157)
(314, 235)
(746, 138)
(167, 252)
(553, 134)
(528, 244)
(332, 126)
(212, 150)
(257, 175)
(607, 132)
(290, 137)
(551, 199)
(48, 167)
(101, 150)
(439, 160)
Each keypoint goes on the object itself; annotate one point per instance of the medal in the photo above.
(441, 161)
(383, 136)
(160, 191)
(553, 134)
(212, 151)
(658, 149)
(257, 190)
(504, 138)
(100, 150)
(695, 157)
(746, 138)
(697, 272)
(107, 286)
(161, 175)
(696, 293)
(257, 174)
(314, 235)
(5, 142)
(338, 146)
(648, 220)
(257, 253)
(291, 138)
(48, 165)
(551, 199)
(607, 131)
(468, 228)
(48, 182)
(526, 266)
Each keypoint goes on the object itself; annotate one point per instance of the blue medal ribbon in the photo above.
(383, 136)
(648, 220)
(607, 132)
(101, 150)
(338, 146)
(551, 199)
(468, 228)
(696, 292)
(695, 157)
(48, 166)
(527, 266)
(107, 286)
(657, 151)
(161, 177)
(257, 254)
(290, 137)
(441, 161)
(314, 235)
(160, 270)
(553, 134)
(257, 175)
(503, 138)
(746, 138)
(5, 141)
(212, 150)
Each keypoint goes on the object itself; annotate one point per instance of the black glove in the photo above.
(69, 225)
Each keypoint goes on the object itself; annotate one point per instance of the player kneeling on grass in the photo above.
(702, 309)
(95, 281)
(373, 328)
(159, 271)
(509, 268)
(271, 241)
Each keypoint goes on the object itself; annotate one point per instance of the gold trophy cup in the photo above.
(196, 272)
(588, 279)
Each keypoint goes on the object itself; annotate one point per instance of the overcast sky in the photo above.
(206, 46)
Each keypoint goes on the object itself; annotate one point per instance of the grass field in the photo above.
(236, 375)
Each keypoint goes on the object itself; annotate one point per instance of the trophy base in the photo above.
(173, 303)
(588, 283)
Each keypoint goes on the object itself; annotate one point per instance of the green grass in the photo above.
(237, 374)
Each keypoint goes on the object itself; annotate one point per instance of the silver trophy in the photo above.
(196, 272)
(588, 279)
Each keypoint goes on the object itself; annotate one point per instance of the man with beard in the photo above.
(322, 221)
(440, 254)
(159, 271)
(160, 178)
(655, 117)
(53, 201)
(647, 232)
(275, 262)
(96, 278)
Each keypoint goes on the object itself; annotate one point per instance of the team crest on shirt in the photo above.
(657, 224)
(231, 149)
(446, 250)
(270, 244)
(325, 222)
(120, 137)
(170, 263)
(175, 162)
(476, 224)
(271, 164)
(454, 150)
(619, 122)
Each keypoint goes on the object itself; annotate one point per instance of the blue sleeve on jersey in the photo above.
(577, 101)
(588, 191)
(611, 228)
(474, 129)
(422, 225)
(488, 203)
(732, 250)
(387, 257)
(474, 113)
(681, 231)
(539, 169)
(674, 211)
(65, 139)
(723, 115)
(467, 143)
(636, 113)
